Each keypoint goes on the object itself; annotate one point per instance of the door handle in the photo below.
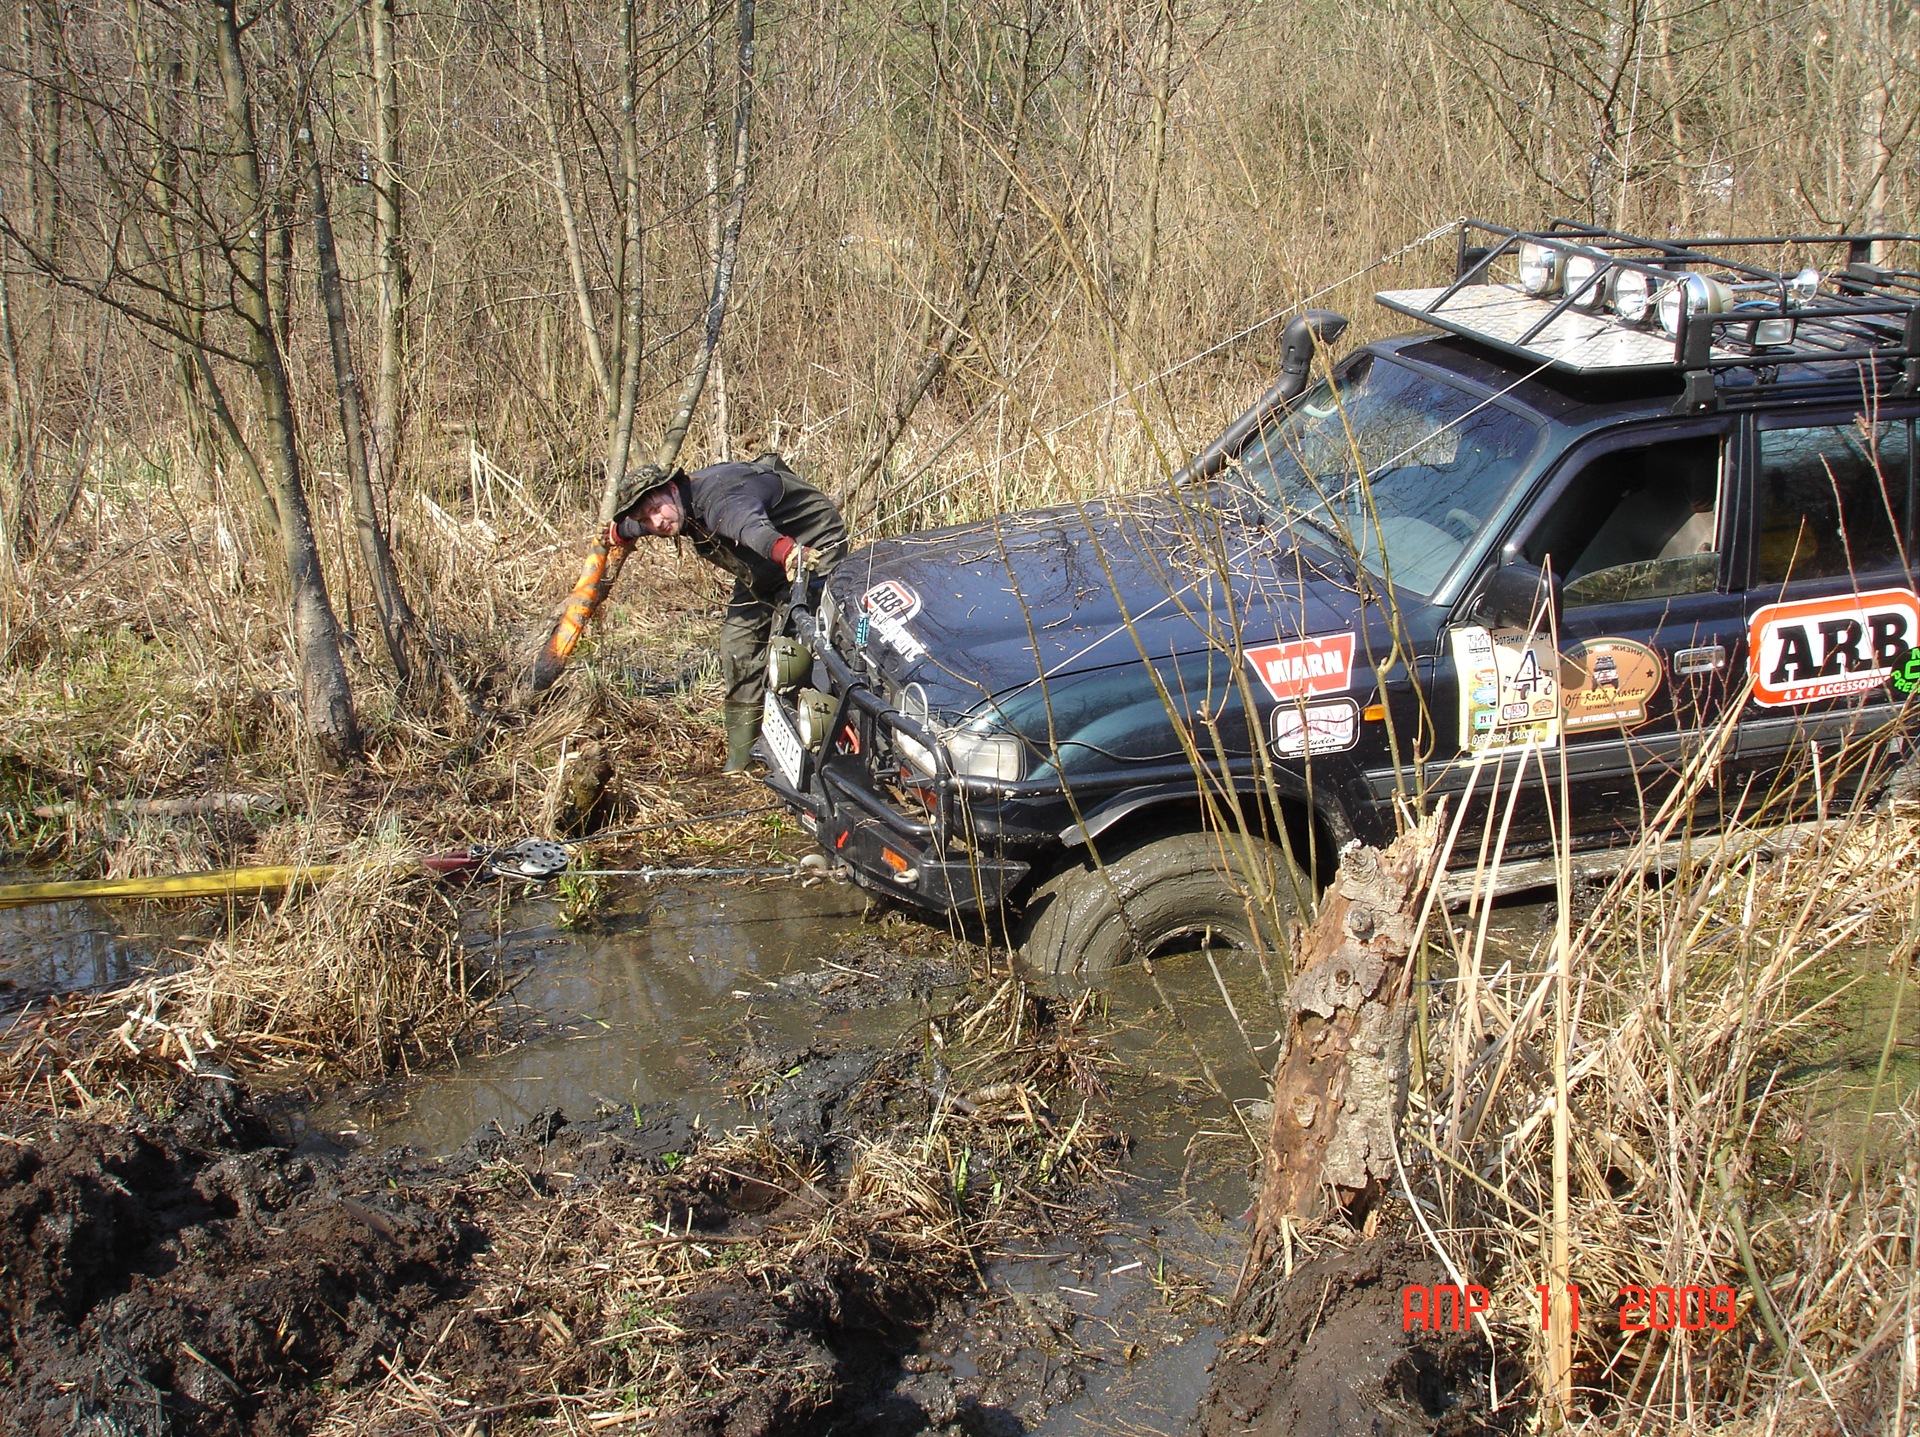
(1700, 661)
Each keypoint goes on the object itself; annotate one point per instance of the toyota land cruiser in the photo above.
(1619, 503)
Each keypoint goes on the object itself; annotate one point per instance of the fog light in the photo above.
(1540, 269)
(1584, 286)
(789, 664)
(1630, 295)
(814, 711)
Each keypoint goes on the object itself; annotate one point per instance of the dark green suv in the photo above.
(1620, 504)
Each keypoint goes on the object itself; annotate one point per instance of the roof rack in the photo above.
(1594, 301)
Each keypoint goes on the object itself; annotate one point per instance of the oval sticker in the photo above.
(1607, 683)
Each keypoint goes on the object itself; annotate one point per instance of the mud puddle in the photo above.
(627, 1009)
(677, 1002)
(50, 949)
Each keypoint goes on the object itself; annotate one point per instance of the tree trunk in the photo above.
(570, 222)
(723, 260)
(1340, 1087)
(397, 624)
(390, 256)
(630, 288)
(19, 520)
(325, 696)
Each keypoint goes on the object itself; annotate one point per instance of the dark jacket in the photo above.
(738, 514)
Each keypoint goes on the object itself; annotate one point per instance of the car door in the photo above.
(1636, 527)
(1832, 609)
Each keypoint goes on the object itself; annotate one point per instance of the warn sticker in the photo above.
(1305, 668)
(1826, 648)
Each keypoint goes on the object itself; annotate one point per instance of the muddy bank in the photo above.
(1324, 1354)
(189, 1275)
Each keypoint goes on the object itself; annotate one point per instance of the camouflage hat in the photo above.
(637, 483)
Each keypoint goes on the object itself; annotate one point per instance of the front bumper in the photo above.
(840, 801)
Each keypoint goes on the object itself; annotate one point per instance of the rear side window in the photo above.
(1833, 500)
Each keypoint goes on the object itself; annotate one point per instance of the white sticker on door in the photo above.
(1509, 689)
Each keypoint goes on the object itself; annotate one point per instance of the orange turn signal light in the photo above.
(1374, 713)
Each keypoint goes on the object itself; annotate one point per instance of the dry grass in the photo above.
(1698, 1006)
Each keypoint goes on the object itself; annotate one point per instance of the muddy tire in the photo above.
(1172, 894)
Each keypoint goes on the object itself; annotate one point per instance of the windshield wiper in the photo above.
(1341, 549)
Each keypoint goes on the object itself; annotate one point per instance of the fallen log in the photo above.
(194, 805)
(1340, 1086)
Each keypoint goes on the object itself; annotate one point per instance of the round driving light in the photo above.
(1584, 286)
(1540, 269)
(814, 711)
(1700, 295)
(1631, 295)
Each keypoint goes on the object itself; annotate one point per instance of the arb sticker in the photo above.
(1815, 649)
(1305, 668)
(1607, 683)
(1315, 728)
(885, 609)
(892, 598)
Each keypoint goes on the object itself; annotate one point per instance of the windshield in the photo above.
(1388, 467)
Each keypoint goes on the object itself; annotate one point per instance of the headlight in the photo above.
(1700, 295)
(1540, 269)
(996, 756)
(1580, 270)
(1631, 295)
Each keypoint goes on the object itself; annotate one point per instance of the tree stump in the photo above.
(1340, 1087)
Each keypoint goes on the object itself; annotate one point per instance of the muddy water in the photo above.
(625, 1011)
(1071, 1336)
(53, 948)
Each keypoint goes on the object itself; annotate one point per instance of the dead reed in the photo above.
(1699, 999)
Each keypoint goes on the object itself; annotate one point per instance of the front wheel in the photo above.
(1177, 894)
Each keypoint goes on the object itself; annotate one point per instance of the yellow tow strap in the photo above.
(226, 882)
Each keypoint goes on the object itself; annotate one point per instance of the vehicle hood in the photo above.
(982, 610)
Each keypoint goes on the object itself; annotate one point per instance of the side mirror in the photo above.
(1512, 595)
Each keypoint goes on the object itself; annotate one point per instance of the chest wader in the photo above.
(760, 591)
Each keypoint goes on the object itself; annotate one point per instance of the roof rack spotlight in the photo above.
(1630, 295)
(1586, 285)
(1699, 294)
(1540, 269)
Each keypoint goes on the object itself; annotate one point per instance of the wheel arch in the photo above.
(1313, 833)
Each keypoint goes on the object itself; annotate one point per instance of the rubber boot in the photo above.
(743, 727)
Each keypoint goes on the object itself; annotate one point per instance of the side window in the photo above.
(1636, 523)
(1833, 500)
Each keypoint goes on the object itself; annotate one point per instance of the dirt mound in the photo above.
(867, 974)
(187, 1276)
(1327, 1357)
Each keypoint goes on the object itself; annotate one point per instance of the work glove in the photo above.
(800, 557)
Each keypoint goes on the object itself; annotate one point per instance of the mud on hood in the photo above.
(984, 609)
